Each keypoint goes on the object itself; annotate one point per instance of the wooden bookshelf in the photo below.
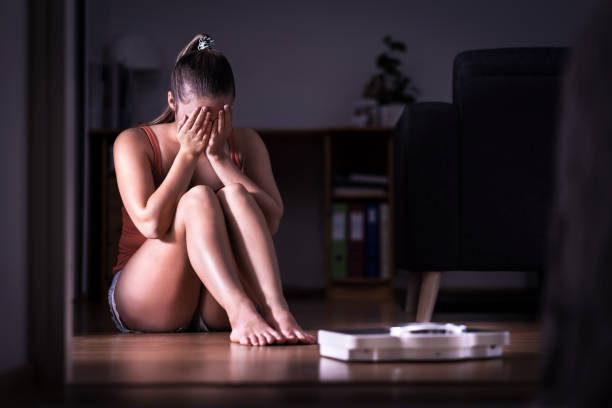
(359, 150)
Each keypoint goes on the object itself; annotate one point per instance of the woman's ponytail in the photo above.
(166, 117)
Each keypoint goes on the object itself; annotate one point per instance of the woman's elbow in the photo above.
(273, 229)
(151, 229)
(273, 225)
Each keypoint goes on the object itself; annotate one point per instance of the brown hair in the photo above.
(207, 73)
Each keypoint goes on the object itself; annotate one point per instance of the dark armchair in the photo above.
(474, 177)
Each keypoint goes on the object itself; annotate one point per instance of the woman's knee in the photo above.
(197, 198)
(199, 202)
(231, 191)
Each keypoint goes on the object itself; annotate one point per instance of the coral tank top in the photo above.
(131, 239)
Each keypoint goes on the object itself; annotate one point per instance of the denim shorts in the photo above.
(195, 325)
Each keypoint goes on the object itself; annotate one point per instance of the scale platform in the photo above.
(413, 342)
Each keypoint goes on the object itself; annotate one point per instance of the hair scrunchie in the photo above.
(205, 42)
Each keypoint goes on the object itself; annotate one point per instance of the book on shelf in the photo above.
(372, 241)
(338, 241)
(360, 240)
(356, 240)
(385, 244)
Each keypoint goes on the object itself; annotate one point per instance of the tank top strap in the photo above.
(234, 150)
(156, 151)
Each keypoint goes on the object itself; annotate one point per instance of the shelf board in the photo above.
(359, 281)
(343, 196)
(326, 130)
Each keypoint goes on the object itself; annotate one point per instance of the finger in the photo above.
(206, 139)
(221, 121)
(211, 137)
(229, 115)
(207, 120)
(207, 135)
(207, 123)
(201, 133)
(213, 133)
(200, 118)
(192, 117)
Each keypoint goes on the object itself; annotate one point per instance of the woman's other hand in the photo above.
(220, 132)
(192, 131)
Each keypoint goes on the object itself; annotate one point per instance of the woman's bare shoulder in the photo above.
(246, 138)
(132, 141)
(242, 132)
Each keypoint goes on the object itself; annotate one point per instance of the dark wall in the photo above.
(13, 185)
(303, 64)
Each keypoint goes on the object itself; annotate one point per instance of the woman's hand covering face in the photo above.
(192, 131)
(220, 132)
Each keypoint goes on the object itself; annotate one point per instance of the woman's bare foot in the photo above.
(281, 319)
(249, 328)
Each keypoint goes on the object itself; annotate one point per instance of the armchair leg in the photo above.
(430, 284)
(412, 294)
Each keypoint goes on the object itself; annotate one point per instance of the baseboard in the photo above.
(304, 293)
(17, 379)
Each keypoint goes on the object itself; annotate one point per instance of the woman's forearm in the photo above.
(228, 173)
(161, 205)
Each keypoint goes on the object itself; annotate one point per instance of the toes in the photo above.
(262, 340)
(301, 336)
(306, 337)
(277, 336)
(268, 337)
(290, 337)
(244, 341)
(253, 339)
(310, 337)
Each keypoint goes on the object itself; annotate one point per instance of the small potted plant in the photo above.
(390, 87)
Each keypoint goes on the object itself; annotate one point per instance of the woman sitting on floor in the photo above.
(200, 206)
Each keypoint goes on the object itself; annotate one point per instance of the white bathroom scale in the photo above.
(412, 341)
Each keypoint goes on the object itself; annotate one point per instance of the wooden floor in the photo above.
(184, 369)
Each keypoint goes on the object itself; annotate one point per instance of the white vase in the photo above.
(390, 114)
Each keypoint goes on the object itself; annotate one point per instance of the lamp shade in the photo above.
(136, 52)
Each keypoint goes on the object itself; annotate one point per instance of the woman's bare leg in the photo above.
(157, 289)
(257, 260)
